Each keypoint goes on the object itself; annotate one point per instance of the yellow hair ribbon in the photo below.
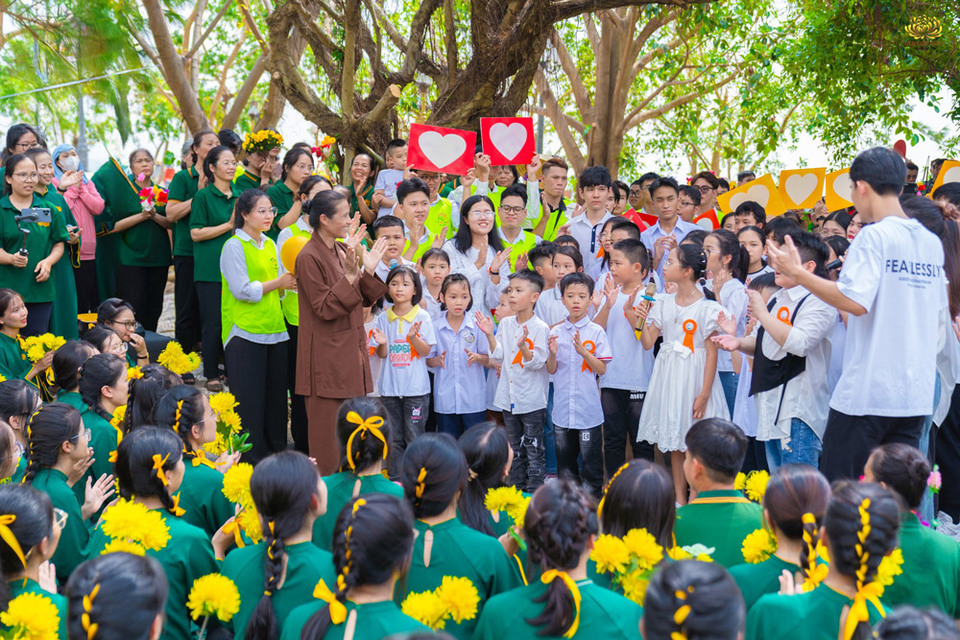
(815, 573)
(7, 534)
(200, 459)
(420, 482)
(234, 527)
(177, 509)
(553, 574)
(370, 425)
(607, 488)
(158, 463)
(858, 610)
(85, 619)
(681, 614)
(356, 506)
(338, 612)
(176, 417)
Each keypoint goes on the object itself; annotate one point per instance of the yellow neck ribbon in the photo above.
(370, 425)
(7, 534)
(553, 574)
(338, 612)
(177, 509)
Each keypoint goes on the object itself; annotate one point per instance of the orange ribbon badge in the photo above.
(519, 359)
(783, 315)
(600, 253)
(590, 346)
(689, 328)
(373, 350)
(413, 350)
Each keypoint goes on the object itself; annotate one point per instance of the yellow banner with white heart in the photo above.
(801, 188)
(838, 192)
(762, 191)
(949, 172)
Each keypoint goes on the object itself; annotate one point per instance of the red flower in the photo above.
(162, 197)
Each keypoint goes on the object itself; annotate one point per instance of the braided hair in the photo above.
(145, 392)
(356, 444)
(49, 427)
(283, 486)
(640, 496)
(559, 526)
(698, 600)
(101, 370)
(67, 361)
(180, 409)
(432, 472)
(795, 501)
(121, 593)
(487, 450)
(856, 508)
(372, 542)
(136, 473)
(33, 521)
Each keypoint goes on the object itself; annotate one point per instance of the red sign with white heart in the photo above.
(440, 149)
(507, 140)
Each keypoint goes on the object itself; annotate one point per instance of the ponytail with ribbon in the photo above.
(370, 425)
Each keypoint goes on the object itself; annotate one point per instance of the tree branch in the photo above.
(561, 125)
(635, 117)
(246, 90)
(213, 23)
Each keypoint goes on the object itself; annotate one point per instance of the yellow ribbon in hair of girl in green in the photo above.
(158, 463)
(681, 614)
(553, 574)
(7, 534)
(370, 425)
(866, 592)
(86, 620)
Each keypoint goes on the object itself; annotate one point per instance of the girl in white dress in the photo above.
(684, 386)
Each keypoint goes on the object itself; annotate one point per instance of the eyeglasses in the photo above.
(129, 324)
(27, 145)
(85, 432)
(120, 349)
(685, 203)
(482, 214)
(506, 209)
(60, 518)
(705, 188)
(27, 176)
(227, 165)
(265, 210)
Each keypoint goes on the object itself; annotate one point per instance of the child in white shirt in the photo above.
(404, 338)
(521, 348)
(578, 354)
(385, 189)
(434, 268)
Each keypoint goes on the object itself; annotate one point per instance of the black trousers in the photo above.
(88, 294)
(38, 318)
(208, 296)
(185, 303)
(621, 421)
(143, 288)
(848, 441)
(298, 406)
(258, 380)
(948, 457)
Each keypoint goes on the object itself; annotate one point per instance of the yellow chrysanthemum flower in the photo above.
(213, 595)
(740, 483)
(502, 498)
(133, 522)
(756, 485)
(634, 585)
(644, 547)
(119, 415)
(222, 402)
(518, 512)
(173, 358)
(126, 546)
(231, 419)
(216, 447)
(759, 546)
(610, 554)
(32, 616)
(134, 373)
(236, 483)
(426, 608)
(249, 521)
(2, 379)
(890, 567)
(459, 597)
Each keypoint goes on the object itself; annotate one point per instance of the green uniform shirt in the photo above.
(281, 196)
(375, 621)
(501, 522)
(145, 244)
(17, 588)
(210, 208)
(366, 194)
(73, 399)
(244, 181)
(103, 440)
(756, 580)
(340, 491)
(459, 551)
(201, 496)
(63, 315)
(719, 519)
(931, 569)
(306, 565)
(814, 615)
(39, 243)
(20, 471)
(182, 188)
(71, 550)
(113, 185)
(603, 614)
(187, 556)
(14, 363)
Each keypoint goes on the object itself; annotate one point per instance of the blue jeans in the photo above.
(804, 447)
(729, 381)
(456, 424)
(548, 436)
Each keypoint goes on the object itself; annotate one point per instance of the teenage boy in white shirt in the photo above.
(520, 345)
(670, 230)
(594, 186)
(892, 285)
(789, 383)
(624, 385)
(578, 354)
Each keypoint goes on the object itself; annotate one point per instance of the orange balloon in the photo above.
(290, 250)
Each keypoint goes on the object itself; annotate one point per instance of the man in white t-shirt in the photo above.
(892, 285)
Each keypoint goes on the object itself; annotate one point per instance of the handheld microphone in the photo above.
(648, 297)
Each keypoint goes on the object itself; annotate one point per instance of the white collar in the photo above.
(243, 235)
(303, 224)
(580, 324)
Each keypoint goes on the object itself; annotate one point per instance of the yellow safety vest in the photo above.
(265, 316)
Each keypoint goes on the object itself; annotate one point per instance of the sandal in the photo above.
(214, 386)
(188, 378)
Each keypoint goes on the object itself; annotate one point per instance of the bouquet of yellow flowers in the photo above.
(511, 501)
(236, 489)
(759, 546)
(631, 559)
(38, 346)
(455, 599)
(173, 358)
(231, 438)
(262, 141)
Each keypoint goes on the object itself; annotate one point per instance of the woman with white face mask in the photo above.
(85, 202)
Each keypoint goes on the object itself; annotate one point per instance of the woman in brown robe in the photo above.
(332, 358)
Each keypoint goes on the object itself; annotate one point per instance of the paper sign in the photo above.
(440, 149)
(838, 190)
(762, 191)
(507, 140)
(949, 172)
(801, 188)
(707, 221)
